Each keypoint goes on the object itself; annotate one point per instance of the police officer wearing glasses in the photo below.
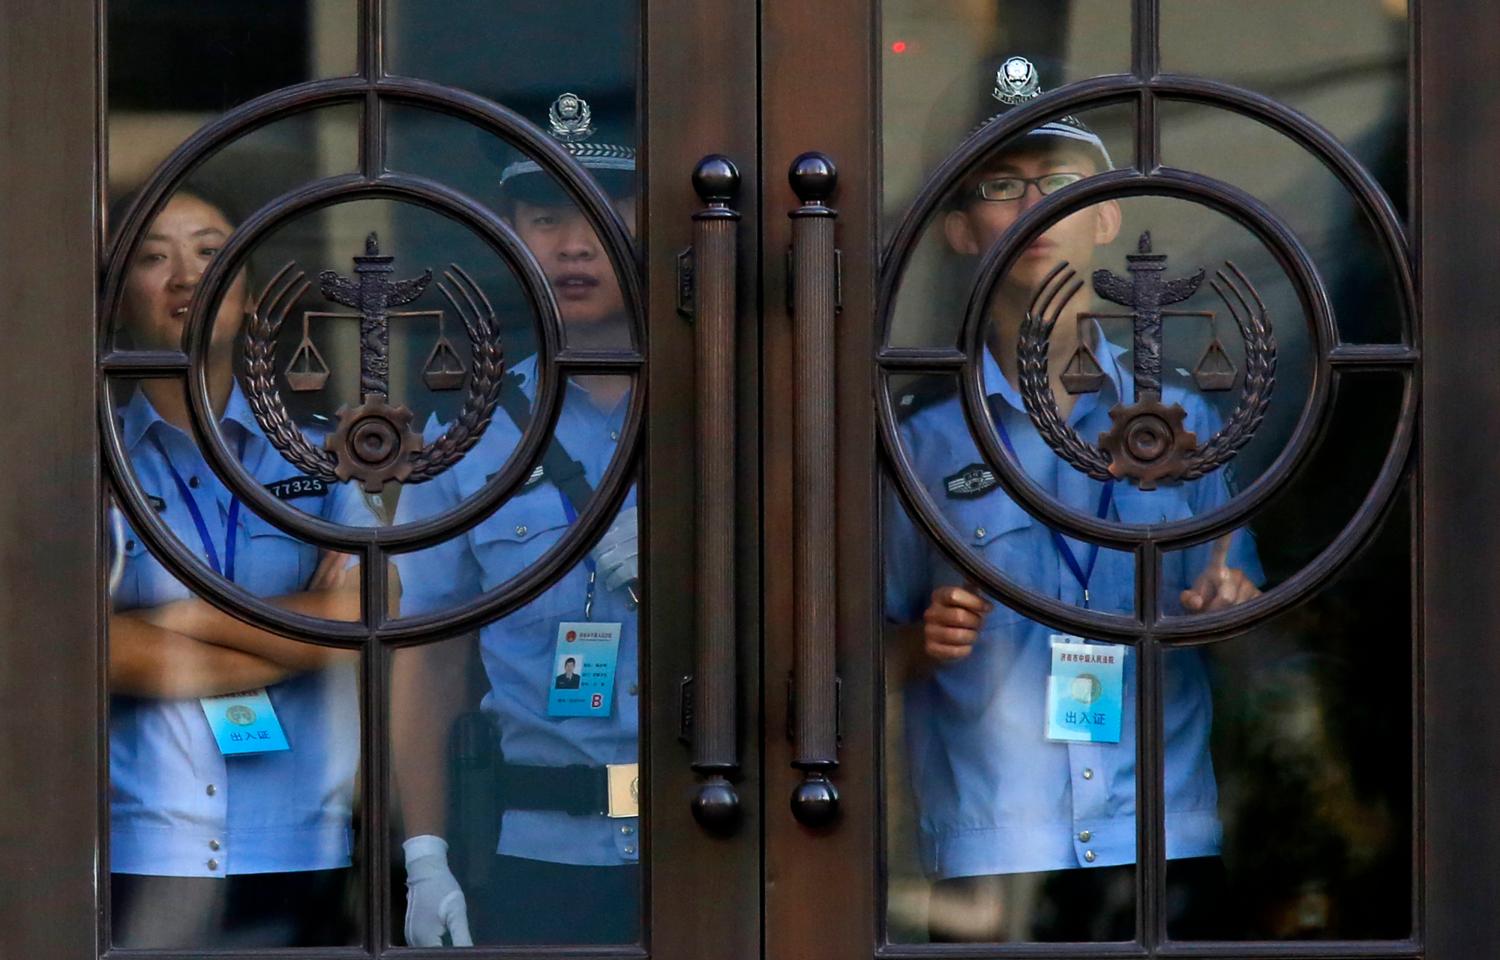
(1026, 826)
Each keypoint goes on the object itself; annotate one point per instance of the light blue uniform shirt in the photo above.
(176, 803)
(993, 794)
(519, 652)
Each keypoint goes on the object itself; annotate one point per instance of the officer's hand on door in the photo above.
(951, 623)
(435, 902)
(1219, 586)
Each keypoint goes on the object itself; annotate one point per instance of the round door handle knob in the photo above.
(716, 806)
(716, 179)
(813, 177)
(815, 802)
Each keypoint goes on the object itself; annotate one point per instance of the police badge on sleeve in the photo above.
(972, 481)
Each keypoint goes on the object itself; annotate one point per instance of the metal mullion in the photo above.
(922, 360)
(1150, 816)
(372, 68)
(144, 363)
(1145, 63)
(1056, 951)
(303, 953)
(1418, 863)
(507, 952)
(1374, 356)
(1291, 950)
(599, 361)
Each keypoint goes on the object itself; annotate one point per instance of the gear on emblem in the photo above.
(374, 443)
(1148, 442)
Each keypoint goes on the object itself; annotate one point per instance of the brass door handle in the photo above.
(814, 296)
(716, 806)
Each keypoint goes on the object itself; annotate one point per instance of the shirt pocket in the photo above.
(1151, 507)
(513, 538)
(996, 528)
(272, 562)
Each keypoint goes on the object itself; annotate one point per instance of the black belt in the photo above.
(578, 789)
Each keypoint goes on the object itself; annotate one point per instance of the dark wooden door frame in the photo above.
(829, 103)
(699, 79)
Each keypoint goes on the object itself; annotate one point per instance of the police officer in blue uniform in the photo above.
(1009, 800)
(232, 751)
(566, 869)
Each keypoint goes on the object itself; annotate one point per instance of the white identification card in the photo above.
(1085, 691)
(582, 683)
(244, 722)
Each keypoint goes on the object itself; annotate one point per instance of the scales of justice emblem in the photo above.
(1148, 443)
(374, 442)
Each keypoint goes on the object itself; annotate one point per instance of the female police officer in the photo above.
(567, 868)
(1011, 800)
(232, 751)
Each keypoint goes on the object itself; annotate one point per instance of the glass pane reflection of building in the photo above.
(983, 846)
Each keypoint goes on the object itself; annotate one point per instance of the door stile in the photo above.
(1459, 243)
(50, 667)
(699, 98)
(824, 103)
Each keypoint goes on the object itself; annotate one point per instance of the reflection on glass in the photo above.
(1353, 80)
(1301, 521)
(233, 751)
(1344, 63)
(939, 63)
(222, 54)
(1312, 746)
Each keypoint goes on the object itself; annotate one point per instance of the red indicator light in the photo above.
(898, 47)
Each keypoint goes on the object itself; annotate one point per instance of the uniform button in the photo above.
(194, 482)
(213, 844)
(614, 434)
(129, 544)
(1088, 773)
(1089, 856)
(213, 864)
(635, 689)
(1086, 836)
(629, 849)
(627, 831)
(520, 529)
(979, 533)
(211, 790)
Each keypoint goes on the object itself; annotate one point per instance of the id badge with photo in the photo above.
(1085, 691)
(244, 722)
(582, 680)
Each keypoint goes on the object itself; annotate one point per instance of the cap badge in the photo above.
(1016, 82)
(571, 119)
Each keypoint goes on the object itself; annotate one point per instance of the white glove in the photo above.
(618, 552)
(434, 901)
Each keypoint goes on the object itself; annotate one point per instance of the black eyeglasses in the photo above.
(1003, 189)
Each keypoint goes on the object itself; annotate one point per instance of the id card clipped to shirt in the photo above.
(1085, 691)
(583, 680)
(244, 722)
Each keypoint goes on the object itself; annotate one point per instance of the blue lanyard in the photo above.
(588, 558)
(1083, 573)
(231, 525)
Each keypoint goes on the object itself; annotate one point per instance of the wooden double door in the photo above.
(825, 423)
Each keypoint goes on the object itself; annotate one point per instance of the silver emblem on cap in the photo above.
(571, 118)
(1016, 81)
